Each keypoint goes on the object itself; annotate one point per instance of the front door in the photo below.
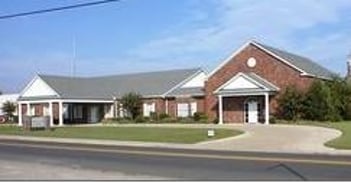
(252, 112)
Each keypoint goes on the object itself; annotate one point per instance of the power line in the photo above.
(56, 9)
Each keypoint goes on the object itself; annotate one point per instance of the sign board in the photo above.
(210, 133)
(39, 122)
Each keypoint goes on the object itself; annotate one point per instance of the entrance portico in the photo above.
(66, 111)
(245, 97)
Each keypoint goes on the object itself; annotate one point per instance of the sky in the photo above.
(140, 36)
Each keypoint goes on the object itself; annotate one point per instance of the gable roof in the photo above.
(106, 87)
(192, 91)
(261, 85)
(303, 64)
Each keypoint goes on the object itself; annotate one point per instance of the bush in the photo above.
(168, 120)
(163, 116)
(132, 102)
(290, 104)
(272, 119)
(319, 103)
(153, 116)
(199, 116)
(140, 119)
(215, 121)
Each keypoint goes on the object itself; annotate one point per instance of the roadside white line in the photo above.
(173, 154)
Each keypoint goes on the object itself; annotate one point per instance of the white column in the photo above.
(51, 115)
(266, 100)
(166, 105)
(220, 109)
(20, 122)
(60, 114)
(28, 109)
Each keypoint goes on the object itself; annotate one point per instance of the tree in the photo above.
(290, 104)
(9, 108)
(132, 103)
(341, 96)
(320, 103)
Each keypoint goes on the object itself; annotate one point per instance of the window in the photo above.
(186, 109)
(46, 111)
(148, 108)
(78, 112)
(183, 109)
(193, 108)
(65, 111)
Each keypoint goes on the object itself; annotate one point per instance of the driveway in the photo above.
(276, 138)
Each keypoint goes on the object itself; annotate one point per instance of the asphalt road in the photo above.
(172, 164)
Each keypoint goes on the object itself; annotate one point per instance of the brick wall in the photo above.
(267, 66)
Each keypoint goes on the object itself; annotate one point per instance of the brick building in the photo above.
(242, 89)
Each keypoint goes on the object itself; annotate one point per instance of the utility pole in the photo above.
(74, 55)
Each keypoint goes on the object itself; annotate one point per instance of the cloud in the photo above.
(216, 32)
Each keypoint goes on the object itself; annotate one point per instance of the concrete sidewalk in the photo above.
(257, 138)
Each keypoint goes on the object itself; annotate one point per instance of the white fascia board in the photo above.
(262, 48)
(277, 88)
(223, 63)
(244, 94)
(86, 101)
(311, 75)
(36, 77)
(182, 82)
(279, 58)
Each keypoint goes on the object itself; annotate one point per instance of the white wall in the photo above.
(8, 97)
(197, 81)
(240, 83)
(38, 88)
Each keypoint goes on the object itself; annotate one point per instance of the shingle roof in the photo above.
(193, 91)
(303, 63)
(106, 87)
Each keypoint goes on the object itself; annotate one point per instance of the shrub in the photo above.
(132, 103)
(153, 116)
(168, 120)
(200, 116)
(9, 108)
(140, 119)
(215, 121)
(163, 116)
(272, 119)
(319, 103)
(290, 104)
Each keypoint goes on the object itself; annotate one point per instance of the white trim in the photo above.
(20, 122)
(242, 94)
(51, 114)
(166, 105)
(31, 83)
(85, 101)
(237, 76)
(61, 113)
(183, 82)
(223, 63)
(220, 109)
(266, 108)
(253, 42)
(278, 57)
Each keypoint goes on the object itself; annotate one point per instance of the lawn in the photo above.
(146, 134)
(342, 142)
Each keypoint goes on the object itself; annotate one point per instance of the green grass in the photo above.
(146, 134)
(342, 142)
